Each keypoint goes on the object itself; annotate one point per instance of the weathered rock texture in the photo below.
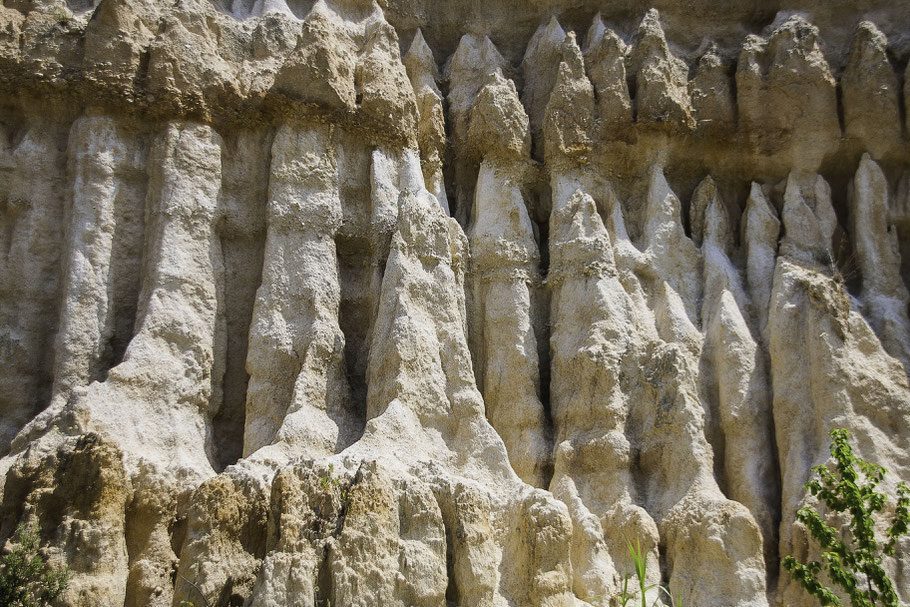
(413, 303)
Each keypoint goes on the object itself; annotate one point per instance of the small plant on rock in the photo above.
(198, 591)
(62, 15)
(640, 563)
(852, 554)
(25, 579)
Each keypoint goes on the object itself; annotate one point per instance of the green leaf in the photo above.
(852, 553)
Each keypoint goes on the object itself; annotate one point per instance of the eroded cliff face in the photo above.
(337, 302)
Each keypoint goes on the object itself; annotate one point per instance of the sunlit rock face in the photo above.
(438, 304)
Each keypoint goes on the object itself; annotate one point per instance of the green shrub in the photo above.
(25, 579)
(851, 554)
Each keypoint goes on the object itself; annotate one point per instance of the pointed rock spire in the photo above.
(421, 65)
(584, 244)
(498, 123)
(466, 71)
(568, 115)
(383, 87)
(760, 230)
(674, 256)
(661, 78)
(474, 59)
(431, 129)
(712, 93)
(899, 204)
(786, 95)
(870, 92)
(702, 196)
(539, 67)
(605, 64)
(809, 220)
(321, 69)
(720, 275)
(873, 238)
(505, 260)
(708, 217)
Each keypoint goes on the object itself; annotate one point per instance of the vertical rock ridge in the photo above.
(183, 273)
(104, 240)
(504, 269)
(735, 378)
(673, 257)
(589, 411)
(809, 220)
(431, 128)
(33, 213)
(605, 62)
(828, 370)
(172, 366)
(540, 70)
(870, 92)
(503, 280)
(298, 390)
(630, 429)
(875, 241)
(661, 78)
(568, 114)
(760, 231)
(475, 58)
(425, 253)
(242, 232)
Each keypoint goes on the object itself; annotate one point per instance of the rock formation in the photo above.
(346, 302)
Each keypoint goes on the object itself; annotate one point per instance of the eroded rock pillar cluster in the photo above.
(351, 303)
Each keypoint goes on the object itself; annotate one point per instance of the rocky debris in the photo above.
(250, 352)
(80, 484)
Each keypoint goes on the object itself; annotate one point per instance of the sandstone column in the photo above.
(104, 247)
(298, 392)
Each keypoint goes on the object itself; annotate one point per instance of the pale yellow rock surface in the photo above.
(400, 303)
